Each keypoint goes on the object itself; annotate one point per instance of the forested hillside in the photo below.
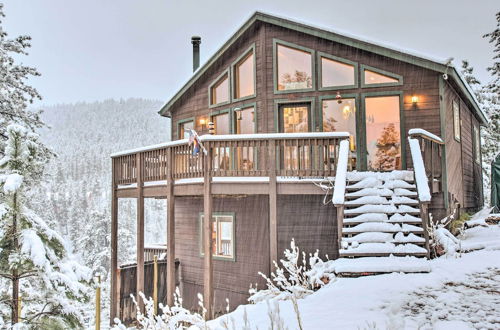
(77, 190)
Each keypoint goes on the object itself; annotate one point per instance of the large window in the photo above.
(337, 73)
(341, 117)
(383, 138)
(294, 68)
(219, 91)
(456, 120)
(222, 156)
(245, 124)
(373, 77)
(222, 235)
(184, 128)
(244, 76)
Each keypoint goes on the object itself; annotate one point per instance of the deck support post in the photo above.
(273, 209)
(340, 223)
(170, 231)
(140, 232)
(208, 288)
(115, 299)
(424, 215)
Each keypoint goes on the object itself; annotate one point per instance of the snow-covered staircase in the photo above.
(382, 216)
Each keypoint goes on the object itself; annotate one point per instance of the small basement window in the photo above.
(219, 91)
(222, 235)
(456, 120)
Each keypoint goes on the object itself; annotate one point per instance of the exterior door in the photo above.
(294, 118)
(383, 133)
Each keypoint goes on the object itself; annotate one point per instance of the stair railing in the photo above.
(426, 148)
(338, 198)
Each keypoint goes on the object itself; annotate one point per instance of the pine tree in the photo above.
(15, 93)
(494, 69)
(33, 257)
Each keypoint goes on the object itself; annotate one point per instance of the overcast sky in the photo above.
(96, 49)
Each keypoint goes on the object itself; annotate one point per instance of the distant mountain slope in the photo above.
(78, 189)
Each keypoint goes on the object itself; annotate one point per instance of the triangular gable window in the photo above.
(375, 77)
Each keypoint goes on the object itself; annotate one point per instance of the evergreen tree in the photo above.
(16, 94)
(30, 251)
(494, 69)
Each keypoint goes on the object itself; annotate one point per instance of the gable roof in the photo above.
(404, 55)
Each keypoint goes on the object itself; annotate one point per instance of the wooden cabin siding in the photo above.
(232, 279)
(312, 224)
(464, 174)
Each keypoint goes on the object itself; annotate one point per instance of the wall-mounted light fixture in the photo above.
(414, 99)
(203, 123)
(338, 97)
(239, 115)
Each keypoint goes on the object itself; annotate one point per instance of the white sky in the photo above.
(96, 49)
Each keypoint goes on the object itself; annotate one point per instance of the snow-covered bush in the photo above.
(293, 281)
(171, 318)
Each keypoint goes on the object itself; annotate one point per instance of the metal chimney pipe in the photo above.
(196, 41)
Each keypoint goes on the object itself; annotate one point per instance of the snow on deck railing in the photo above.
(424, 194)
(236, 137)
(423, 132)
(340, 178)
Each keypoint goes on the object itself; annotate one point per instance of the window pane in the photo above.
(383, 139)
(221, 156)
(221, 123)
(295, 119)
(334, 73)
(456, 120)
(245, 77)
(245, 125)
(294, 68)
(377, 78)
(340, 117)
(222, 236)
(184, 129)
(220, 91)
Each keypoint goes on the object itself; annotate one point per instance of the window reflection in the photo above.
(244, 77)
(294, 68)
(295, 119)
(335, 73)
(383, 139)
(184, 129)
(341, 117)
(221, 156)
(220, 91)
(372, 77)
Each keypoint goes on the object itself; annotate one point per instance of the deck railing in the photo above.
(431, 147)
(245, 155)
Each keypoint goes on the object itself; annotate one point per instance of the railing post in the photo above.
(114, 245)
(424, 214)
(140, 231)
(170, 230)
(273, 208)
(207, 234)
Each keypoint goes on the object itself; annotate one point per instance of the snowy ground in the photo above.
(460, 292)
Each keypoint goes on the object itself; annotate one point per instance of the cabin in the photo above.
(306, 133)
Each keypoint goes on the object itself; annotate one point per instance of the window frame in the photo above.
(200, 235)
(215, 82)
(181, 122)
(277, 42)
(456, 129)
(234, 65)
(244, 106)
(336, 59)
(402, 127)
(312, 111)
(364, 67)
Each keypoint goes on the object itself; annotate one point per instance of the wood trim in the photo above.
(319, 55)
(442, 117)
(277, 42)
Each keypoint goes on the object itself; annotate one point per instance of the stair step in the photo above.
(382, 227)
(380, 237)
(389, 248)
(387, 209)
(402, 254)
(394, 175)
(382, 217)
(381, 264)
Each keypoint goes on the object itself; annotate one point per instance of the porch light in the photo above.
(203, 122)
(414, 99)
